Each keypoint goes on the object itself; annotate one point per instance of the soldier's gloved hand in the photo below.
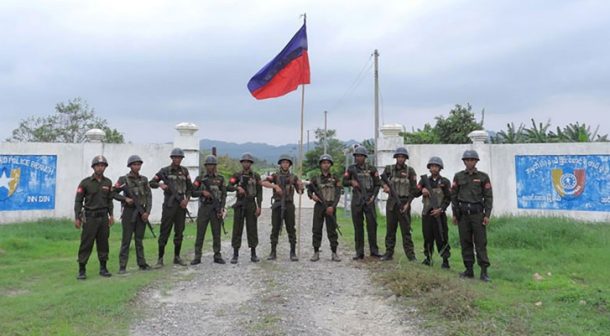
(386, 189)
(110, 220)
(330, 211)
(241, 190)
(207, 194)
(436, 212)
(163, 186)
(258, 212)
(128, 200)
(145, 216)
(485, 220)
(184, 203)
(454, 220)
(355, 184)
(77, 223)
(315, 198)
(425, 192)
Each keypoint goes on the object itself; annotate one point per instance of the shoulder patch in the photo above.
(79, 190)
(487, 185)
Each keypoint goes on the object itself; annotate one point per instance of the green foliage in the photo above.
(334, 147)
(455, 128)
(68, 124)
(540, 133)
(512, 135)
(421, 136)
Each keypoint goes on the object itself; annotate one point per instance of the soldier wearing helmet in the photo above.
(247, 184)
(399, 180)
(327, 187)
(93, 211)
(436, 199)
(364, 180)
(284, 183)
(210, 188)
(177, 187)
(471, 203)
(133, 222)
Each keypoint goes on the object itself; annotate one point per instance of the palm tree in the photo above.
(539, 133)
(511, 135)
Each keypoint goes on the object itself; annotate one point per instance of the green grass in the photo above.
(572, 298)
(39, 293)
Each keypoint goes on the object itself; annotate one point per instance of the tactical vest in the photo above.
(286, 182)
(213, 183)
(437, 191)
(138, 188)
(178, 180)
(364, 176)
(248, 182)
(327, 187)
(400, 181)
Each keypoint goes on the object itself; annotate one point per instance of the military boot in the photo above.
(122, 269)
(82, 272)
(468, 273)
(253, 257)
(315, 256)
(293, 254)
(375, 253)
(235, 256)
(335, 256)
(196, 261)
(159, 263)
(179, 261)
(484, 276)
(445, 263)
(144, 267)
(387, 256)
(218, 258)
(427, 261)
(273, 254)
(358, 256)
(103, 270)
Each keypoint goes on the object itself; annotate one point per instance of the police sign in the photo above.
(27, 182)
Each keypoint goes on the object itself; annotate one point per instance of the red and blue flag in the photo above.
(285, 72)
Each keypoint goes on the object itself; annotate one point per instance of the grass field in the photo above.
(39, 294)
(569, 296)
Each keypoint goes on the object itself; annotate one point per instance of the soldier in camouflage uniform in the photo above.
(403, 180)
(177, 188)
(328, 186)
(212, 193)
(363, 201)
(95, 216)
(247, 184)
(283, 183)
(135, 188)
(434, 220)
(471, 203)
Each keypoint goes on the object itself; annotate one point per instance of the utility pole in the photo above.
(376, 57)
(325, 133)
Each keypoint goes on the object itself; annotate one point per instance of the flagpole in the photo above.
(300, 170)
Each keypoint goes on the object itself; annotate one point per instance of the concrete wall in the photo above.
(499, 162)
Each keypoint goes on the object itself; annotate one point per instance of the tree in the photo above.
(579, 133)
(334, 147)
(455, 128)
(427, 135)
(68, 124)
(511, 135)
(539, 133)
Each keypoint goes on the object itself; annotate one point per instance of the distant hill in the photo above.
(263, 151)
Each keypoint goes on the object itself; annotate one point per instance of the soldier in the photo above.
(325, 190)
(434, 220)
(177, 188)
(283, 183)
(400, 181)
(247, 184)
(135, 188)
(364, 180)
(95, 216)
(471, 203)
(212, 193)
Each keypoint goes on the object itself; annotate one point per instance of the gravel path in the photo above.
(273, 298)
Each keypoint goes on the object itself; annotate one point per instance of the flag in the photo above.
(285, 72)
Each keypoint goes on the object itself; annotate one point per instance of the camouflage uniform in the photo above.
(215, 184)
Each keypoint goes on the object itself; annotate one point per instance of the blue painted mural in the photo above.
(27, 182)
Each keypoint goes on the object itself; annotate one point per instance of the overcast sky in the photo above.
(148, 65)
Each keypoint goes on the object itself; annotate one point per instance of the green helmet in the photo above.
(435, 160)
(247, 157)
(99, 159)
(326, 157)
(177, 152)
(470, 154)
(401, 151)
(132, 159)
(285, 157)
(210, 160)
(361, 150)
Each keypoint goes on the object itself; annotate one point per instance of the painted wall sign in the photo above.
(27, 182)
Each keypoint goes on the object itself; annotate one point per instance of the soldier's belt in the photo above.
(467, 208)
(96, 213)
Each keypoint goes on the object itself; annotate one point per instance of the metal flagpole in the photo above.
(300, 167)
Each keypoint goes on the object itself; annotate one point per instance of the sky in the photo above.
(147, 65)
